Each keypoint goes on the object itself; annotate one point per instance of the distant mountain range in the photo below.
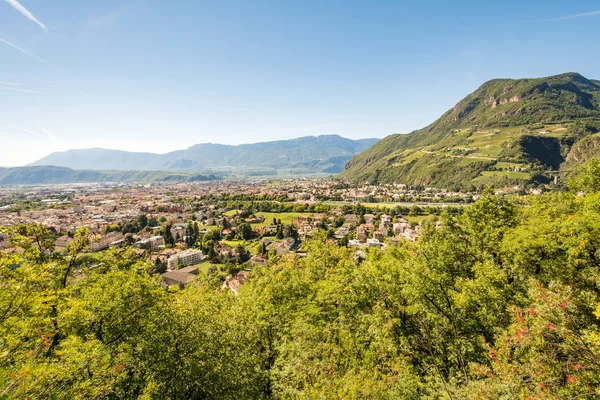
(507, 132)
(306, 155)
(60, 175)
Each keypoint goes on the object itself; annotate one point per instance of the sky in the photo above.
(149, 75)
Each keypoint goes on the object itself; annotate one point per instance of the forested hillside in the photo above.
(507, 132)
(499, 302)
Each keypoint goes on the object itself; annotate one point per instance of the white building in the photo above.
(373, 243)
(104, 242)
(178, 232)
(188, 257)
(151, 243)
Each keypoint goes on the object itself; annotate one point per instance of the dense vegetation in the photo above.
(321, 154)
(54, 175)
(526, 124)
(499, 302)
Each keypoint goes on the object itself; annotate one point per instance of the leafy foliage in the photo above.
(502, 301)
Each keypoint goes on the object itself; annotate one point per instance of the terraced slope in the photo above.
(506, 132)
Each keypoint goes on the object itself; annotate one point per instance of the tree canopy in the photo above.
(500, 302)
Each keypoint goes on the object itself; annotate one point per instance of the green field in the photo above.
(204, 267)
(286, 218)
(251, 246)
(488, 177)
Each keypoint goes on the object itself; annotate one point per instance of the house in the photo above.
(187, 257)
(62, 242)
(151, 243)
(257, 261)
(269, 229)
(410, 235)
(282, 247)
(373, 243)
(226, 232)
(361, 235)
(163, 259)
(225, 250)
(104, 242)
(235, 282)
(351, 219)
(368, 226)
(177, 278)
(190, 269)
(386, 219)
(384, 228)
(178, 231)
(394, 240)
(400, 228)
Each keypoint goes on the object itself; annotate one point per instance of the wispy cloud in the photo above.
(26, 13)
(573, 16)
(22, 50)
(205, 92)
(51, 136)
(35, 134)
(4, 83)
(15, 89)
(21, 77)
(44, 81)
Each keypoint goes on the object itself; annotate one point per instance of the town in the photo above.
(225, 228)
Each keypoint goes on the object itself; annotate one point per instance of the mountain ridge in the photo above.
(495, 136)
(43, 175)
(308, 154)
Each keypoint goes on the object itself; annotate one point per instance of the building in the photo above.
(154, 242)
(400, 228)
(235, 282)
(178, 232)
(361, 235)
(62, 243)
(373, 243)
(104, 242)
(257, 261)
(178, 278)
(190, 269)
(188, 257)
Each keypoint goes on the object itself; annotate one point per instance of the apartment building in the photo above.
(188, 257)
(104, 242)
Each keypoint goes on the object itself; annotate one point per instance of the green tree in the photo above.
(290, 231)
(245, 232)
(142, 221)
(587, 177)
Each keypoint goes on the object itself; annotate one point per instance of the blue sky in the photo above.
(157, 76)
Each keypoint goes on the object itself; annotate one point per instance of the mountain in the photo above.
(509, 131)
(320, 154)
(59, 175)
(98, 159)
